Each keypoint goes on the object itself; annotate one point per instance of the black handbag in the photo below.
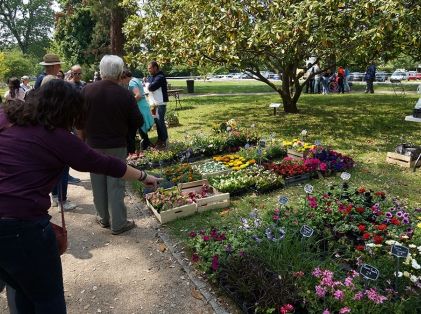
(416, 113)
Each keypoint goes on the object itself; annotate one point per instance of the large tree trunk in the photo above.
(290, 91)
(116, 32)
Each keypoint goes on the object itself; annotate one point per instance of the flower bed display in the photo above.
(319, 272)
(289, 167)
(297, 148)
(330, 160)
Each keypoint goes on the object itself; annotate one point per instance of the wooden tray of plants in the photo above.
(215, 200)
(165, 214)
(294, 154)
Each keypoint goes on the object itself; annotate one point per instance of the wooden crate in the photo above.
(174, 213)
(401, 160)
(212, 174)
(216, 201)
(294, 154)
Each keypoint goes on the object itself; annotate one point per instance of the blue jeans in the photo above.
(61, 186)
(30, 263)
(161, 128)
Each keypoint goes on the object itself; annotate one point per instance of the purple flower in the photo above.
(389, 215)
(228, 249)
(399, 214)
(326, 311)
(405, 221)
(344, 310)
(320, 291)
(338, 294)
(241, 253)
(317, 272)
(215, 263)
(406, 215)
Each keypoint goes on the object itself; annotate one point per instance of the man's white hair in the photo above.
(111, 67)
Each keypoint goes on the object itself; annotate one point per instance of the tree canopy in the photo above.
(277, 35)
(26, 23)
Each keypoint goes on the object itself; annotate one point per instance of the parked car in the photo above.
(413, 76)
(381, 76)
(356, 76)
(398, 76)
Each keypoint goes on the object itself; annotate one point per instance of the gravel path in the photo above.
(133, 272)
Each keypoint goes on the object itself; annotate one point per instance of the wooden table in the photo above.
(176, 94)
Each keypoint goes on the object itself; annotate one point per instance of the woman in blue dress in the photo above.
(136, 87)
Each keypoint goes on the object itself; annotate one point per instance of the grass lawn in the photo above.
(363, 126)
(253, 86)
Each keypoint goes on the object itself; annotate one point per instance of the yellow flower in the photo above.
(419, 225)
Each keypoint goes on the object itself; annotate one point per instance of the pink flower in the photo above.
(192, 234)
(287, 308)
(320, 291)
(358, 296)
(206, 238)
(323, 166)
(344, 310)
(195, 258)
(338, 294)
(317, 272)
(326, 311)
(348, 282)
(374, 296)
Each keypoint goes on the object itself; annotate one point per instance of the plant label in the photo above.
(262, 143)
(345, 176)
(282, 233)
(308, 188)
(306, 231)
(369, 272)
(247, 146)
(400, 251)
(283, 200)
(259, 151)
(317, 142)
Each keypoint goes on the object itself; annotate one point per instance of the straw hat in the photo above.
(50, 59)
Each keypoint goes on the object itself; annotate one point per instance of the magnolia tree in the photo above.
(277, 35)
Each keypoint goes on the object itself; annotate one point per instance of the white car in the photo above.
(398, 76)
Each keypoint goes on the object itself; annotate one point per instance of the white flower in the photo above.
(419, 248)
(370, 245)
(304, 132)
(412, 246)
(415, 265)
(228, 128)
(406, 274)
(399, 274)
(413, 278)
(391, 242)
(253, 125)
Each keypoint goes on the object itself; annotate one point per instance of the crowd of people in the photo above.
(60, 123)
(328, 81)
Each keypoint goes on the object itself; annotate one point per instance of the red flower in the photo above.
(275, 218)
(215, 263)
(395, 221)
(382, 227)
(378, 239)
(366, 236)
(381, 194)
(361, 228)
(206, 238)
(360, 210)
(361, 189)
(360, 247)
(195, 258)
(287, 308)
(192, 234)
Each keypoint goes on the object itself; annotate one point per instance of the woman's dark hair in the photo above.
(61, 74)
(14, 85)
(126, 73)
(57, 104)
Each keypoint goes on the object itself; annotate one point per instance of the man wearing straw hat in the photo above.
(52, 65)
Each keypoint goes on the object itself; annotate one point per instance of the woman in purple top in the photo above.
(35, 146)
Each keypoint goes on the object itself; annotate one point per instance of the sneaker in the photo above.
(67, 205)
(129, 225)
(54, 202)
(73, 180)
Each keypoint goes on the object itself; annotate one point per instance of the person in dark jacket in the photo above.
(35, 145)
(370, 76)
(158, 97)
(112, 111)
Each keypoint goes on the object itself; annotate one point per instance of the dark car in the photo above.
(381, 76)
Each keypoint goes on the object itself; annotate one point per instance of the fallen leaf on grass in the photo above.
(224, 213)
(196, 294)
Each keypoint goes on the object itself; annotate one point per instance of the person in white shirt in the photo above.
(25, 83)
(15, 91)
